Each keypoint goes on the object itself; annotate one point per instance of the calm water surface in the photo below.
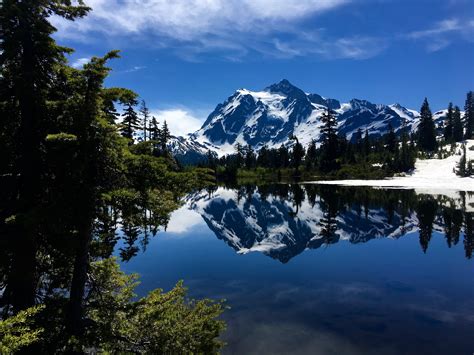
(324, 270)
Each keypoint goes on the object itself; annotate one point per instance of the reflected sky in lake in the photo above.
(324, 270)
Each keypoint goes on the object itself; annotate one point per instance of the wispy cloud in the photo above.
(135, 68)
(192, 27)
(443, 33)
(79, 63)
(237, 29)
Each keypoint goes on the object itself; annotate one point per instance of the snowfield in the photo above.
(429, 176)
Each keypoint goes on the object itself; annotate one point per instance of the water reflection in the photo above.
(283, 220)
(325, 270)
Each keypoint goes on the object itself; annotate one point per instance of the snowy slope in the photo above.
(429, 175)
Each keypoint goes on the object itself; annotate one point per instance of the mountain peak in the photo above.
(286, 88)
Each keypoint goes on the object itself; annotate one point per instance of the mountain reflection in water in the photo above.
(283, 220)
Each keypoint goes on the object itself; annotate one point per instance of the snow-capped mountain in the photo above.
(188, 151)
(271, 116)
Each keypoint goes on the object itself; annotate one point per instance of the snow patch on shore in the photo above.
(428, 176)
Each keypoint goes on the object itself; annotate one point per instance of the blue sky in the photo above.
(185, 56)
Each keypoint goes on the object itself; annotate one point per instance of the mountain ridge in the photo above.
(269, 117)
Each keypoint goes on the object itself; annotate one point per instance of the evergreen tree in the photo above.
(69, 168)
(311, 155)
(457, 125)
(448, 128)
(283, 157)
(263, 157)
(297, 154)
(426, 130)
(469, 115)
(358, 140)
(29, 63)
(250, 157)
(407, 155)
(164, 137)
(130, 120)
(145, 113)
(462, 164)
(154, 130)
(391, 140)
(367, 145)
(329, 146)
(240, 155)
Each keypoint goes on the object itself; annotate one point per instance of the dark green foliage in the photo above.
(164, 136)
(130, 120)
(464, 167)
(329, 147)
(297, 154)
(159, 323)
(249, 157)
(457, 125)
(145, 113)
(360, 158)
(448, 127)
(391, 140)
(426, 130)
(469, 115)
(311, 156)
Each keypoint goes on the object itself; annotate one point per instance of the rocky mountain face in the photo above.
(271, 116)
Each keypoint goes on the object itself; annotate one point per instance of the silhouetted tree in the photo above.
(426, 129)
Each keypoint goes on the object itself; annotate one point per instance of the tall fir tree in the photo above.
(391, 139)
(426, 129)
(469, 115)
(297, 153)
(448, 126)
(250, 157)
(240, 155)
(29, 63)
(263, 157)
(165, 136)
(145, 113)
(130, 120)
(457, 125)
(283, 157)
(311, 155)
(367, 144)
(329, 146)
(154, 129)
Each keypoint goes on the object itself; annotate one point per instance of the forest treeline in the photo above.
(363, 156)
(71, 174)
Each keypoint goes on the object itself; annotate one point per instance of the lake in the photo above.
(309, 269)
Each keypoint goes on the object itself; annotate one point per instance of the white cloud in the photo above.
(443, 33)
(192, 27)
(183, 219)
(181, 121)
(190, 19)
(79, 63)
